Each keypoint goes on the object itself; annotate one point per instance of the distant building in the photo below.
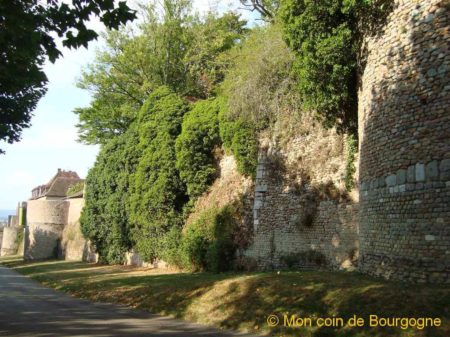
(57, 187)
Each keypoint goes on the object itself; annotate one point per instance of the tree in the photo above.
(327, 37)
(267, 8)
(174, 49)
(157, 192)
(104, 219)
(195, 146)
(27, 39)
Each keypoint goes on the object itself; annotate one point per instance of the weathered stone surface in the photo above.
(404, 124)
(420, 172)
(431, 170)
(444, 169)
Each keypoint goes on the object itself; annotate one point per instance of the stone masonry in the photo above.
(294, 229)
(404, 131)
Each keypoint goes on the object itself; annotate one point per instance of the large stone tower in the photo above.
(404, 129)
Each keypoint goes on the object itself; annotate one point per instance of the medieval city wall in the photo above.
(9, 241)
(303, 217)
(73, 244)
(404, 130)
(45, 224)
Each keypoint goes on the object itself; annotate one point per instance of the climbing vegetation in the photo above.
(195, 146)
(171, 94)
(157, 192)
(104, 219)
(208, 244)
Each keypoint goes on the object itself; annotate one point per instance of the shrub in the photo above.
(104, 219)
(208, 244)
(324, 36)
(194, 147)
(157, 192)
(240, 138)
(259, 85)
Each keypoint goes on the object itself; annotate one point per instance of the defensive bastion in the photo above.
(400, 227)
(404, 131)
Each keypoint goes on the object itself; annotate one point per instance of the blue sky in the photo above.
(51, 142)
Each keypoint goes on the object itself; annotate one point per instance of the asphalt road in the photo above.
(28, 309)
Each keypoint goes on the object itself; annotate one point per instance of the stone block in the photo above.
(391, 180)
(258, 204)
(431, 170)
(420, 172)
(444, 168)
(381, 182)
(261, 188)
(259, 174)
(401, 177)
(411, 174)
(364, 186)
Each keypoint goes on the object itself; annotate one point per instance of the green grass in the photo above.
(243, 301)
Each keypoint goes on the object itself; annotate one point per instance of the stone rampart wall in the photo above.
(296, 228)
(9, 241)
(404, 146)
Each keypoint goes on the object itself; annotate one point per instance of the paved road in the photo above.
(30, 310)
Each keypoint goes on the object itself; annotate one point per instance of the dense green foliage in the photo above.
(104, 219)
(208, 242)
(178, 50)
(195, 145)
(325, 37)
(157, 192)
(240, 138)
(27, 39)
(170, 94)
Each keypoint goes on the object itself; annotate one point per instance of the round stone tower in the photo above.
(404, 130)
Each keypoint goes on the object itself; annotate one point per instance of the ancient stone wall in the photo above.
(45, 224)
(404, 128)
(302, 215)
(73, 244)
(9, 241)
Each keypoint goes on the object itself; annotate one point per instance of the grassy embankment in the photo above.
(243, 301)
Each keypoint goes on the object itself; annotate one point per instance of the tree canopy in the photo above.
(27, 38)
(176, 49)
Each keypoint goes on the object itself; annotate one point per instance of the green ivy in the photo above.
(104, 219)
(324, 36)
(207, 244)
(240, 137)
(157, 193)
(195, 145)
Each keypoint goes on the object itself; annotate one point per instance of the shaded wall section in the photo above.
(404, 125)
(45, 224)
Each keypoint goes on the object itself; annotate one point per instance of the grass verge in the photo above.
(244, 301)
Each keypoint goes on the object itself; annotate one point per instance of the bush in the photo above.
(259, 86)
(207, 244)
(240, 137)
(104, 219)
(324, 36)
(195, 145)
(157, 192)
